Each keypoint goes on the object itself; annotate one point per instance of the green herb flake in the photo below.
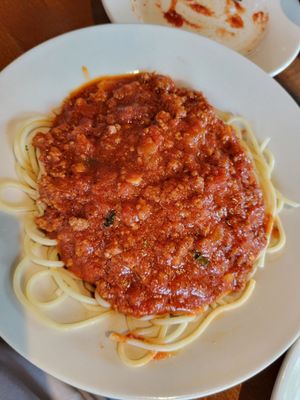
(145, 244)
(91, 161)
(109, 219)
(201, 259)
(26, 147)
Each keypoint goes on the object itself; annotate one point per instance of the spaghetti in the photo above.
(156, 335)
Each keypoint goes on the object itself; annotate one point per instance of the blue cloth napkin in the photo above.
(19, 379)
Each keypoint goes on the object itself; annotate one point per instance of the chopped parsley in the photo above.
(91, 161)
(109, 219)
(201, 259)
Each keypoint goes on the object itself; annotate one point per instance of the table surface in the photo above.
(24, 24)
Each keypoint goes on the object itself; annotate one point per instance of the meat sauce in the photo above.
(149, 195)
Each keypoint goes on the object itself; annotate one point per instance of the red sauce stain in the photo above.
(195, 26)
(176, 19)
(229, 7)
(124, 338)
(239, 7)
(162, 355)
(235, 21)
(260, 17)
(131, 335)
(172, 15)
(118, 337)
(224, 32)
(86, 72)
(201, 9)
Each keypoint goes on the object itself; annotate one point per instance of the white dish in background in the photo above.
(287, 386)
(273, 50)
(235, 346)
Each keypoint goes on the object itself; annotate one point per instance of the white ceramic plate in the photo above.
(236, 345)
(287, 386)
(277, 49)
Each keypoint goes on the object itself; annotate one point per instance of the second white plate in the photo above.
(278, 48)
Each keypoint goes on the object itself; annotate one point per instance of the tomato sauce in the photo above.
(229, 4)
(149, 195)
(239, 7)
(176, 19)
(201, 9)
(235, 21)
(172, 15)
(260, 17)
